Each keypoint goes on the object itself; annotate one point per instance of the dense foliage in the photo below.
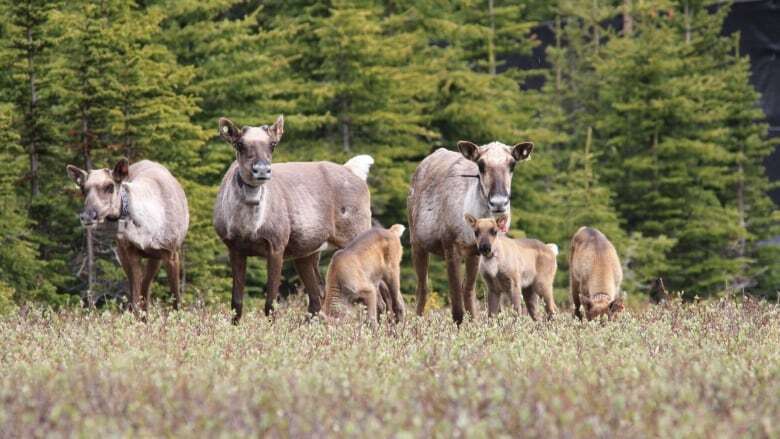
(652, 134)
(697, 370)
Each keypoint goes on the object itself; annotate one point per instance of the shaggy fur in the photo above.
(595, 274)
(357, 271)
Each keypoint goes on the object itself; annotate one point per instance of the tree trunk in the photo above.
(588, 169)
(558, 72)
(31, 125)
(90, 237)
(491, 40)
(345, 135)
(90, 299)
(687, 12)
(628, 20)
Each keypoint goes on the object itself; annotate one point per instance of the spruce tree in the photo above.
(662, 122)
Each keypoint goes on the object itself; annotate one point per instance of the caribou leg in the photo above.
(453, 260)
(275, 261)
(307, 268)
(152, 266)
(238, 267)
(420, 262)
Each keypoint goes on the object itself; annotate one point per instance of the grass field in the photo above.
(707, 370)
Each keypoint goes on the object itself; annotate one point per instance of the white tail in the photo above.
(360, 165)
(554, 248)
(398, 229)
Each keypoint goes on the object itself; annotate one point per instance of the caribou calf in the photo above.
(151, 210)
(595, 274)
(367, 267)
(445, 186)
(286, 210)
(514, 266)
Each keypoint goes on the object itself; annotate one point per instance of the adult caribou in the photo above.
(304, 209)
(445, 187)
(151, 210)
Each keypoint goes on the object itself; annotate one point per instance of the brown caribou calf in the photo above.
(151, 210)
(362, 270)
(513, 266)
(595, 274)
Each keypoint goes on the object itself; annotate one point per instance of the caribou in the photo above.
(150, 208)
(368, 270)
(286, 211)
(446, 186)
(595, 274)
(514, 266)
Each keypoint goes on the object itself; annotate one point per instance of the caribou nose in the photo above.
(498, 203)
(484, 249)
(261, 170)
(88, 216)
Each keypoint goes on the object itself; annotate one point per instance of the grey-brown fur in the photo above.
(293, 211)
(595, 274)
(443, 189)
(153, 226)
(515, 266)
(356, 272)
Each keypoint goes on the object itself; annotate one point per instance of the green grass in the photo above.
(679, 371)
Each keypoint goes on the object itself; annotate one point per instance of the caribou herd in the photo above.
(458, 204)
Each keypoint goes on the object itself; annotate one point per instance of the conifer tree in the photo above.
(29, 43)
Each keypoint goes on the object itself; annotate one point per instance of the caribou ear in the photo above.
(121, 170)
(501, 221)
(277, 129)
(617, 305)
(522, 151)
(469, 150)
(470, 220)
(228, 130)
(76, 174)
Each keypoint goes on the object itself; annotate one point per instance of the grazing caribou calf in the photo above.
(595, 274)
(442, 191)
(359, 271)
(514, 266)
(287, 210)
(151, 209)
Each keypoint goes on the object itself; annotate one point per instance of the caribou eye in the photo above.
(476, 232)
(481, 166)
(273, 144)
(512, 166)
(109, 189)
(240, 145)
(493, 232)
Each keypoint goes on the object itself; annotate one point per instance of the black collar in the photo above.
(124, 209)
(124, 206)
(242, 189)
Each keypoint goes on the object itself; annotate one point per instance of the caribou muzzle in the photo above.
(261, 171)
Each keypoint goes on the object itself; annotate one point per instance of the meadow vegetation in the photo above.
(676, 370)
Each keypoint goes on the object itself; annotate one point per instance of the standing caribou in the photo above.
(445, 187)
(151, 210)
(286, 210)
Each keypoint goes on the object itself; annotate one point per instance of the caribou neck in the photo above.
(251, 196)
(475, 201)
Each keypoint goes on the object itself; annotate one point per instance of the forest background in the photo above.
(649, 131)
